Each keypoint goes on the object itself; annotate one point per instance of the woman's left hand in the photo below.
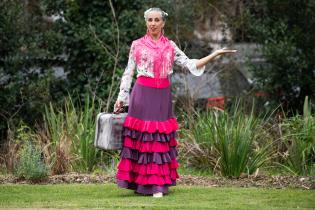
(224, 51)
(203, 61)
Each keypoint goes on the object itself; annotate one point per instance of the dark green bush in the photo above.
(286, 32)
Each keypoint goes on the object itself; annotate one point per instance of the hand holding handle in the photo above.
(118, 107)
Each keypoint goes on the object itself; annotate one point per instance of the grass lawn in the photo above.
(108, 196)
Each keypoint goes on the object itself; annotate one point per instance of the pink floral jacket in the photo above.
(155, 60)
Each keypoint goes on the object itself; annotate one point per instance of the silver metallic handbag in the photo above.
(108, 133)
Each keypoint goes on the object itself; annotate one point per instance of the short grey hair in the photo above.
(155, 9)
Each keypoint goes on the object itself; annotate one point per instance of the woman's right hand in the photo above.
(118, 107)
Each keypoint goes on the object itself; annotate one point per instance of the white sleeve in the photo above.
(126, 79)
(183, 61)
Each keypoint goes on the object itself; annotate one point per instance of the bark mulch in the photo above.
(303, 182)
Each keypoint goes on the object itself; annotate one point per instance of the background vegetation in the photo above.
(61, 63)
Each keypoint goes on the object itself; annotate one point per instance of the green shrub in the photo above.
(31, 165)
(299, 139)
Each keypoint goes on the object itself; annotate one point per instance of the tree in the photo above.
(79, 36)
(25, 61)
(286, 31)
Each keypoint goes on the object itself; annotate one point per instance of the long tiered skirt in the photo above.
(148, 161)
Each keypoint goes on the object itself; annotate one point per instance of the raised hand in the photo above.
(224, 51)
(203, 61)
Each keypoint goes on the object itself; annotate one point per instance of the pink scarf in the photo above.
(154, 57)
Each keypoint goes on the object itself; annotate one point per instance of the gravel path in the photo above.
(246, 181)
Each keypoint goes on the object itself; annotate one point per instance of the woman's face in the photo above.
(154, 23)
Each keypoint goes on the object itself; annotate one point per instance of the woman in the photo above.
(148, 162)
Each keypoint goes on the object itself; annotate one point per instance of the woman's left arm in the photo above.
(203, 61)
(195, 66)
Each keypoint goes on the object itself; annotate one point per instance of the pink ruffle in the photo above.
(147, 179)
(167, 126)
(149, 146)
(127, 165)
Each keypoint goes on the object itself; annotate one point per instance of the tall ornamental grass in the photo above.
(55, 141)
(71, 130)
(230, 143)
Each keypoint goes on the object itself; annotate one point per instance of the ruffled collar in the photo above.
(150, 42)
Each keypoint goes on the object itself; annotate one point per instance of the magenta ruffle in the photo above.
(167, 126)
(149, 146)
(145, 158)
(145, 189)
(145, 136)
(127, 165)
(148, 179)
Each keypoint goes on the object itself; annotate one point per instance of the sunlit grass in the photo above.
(108, 196)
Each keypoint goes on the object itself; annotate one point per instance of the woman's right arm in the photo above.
(126, 80)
